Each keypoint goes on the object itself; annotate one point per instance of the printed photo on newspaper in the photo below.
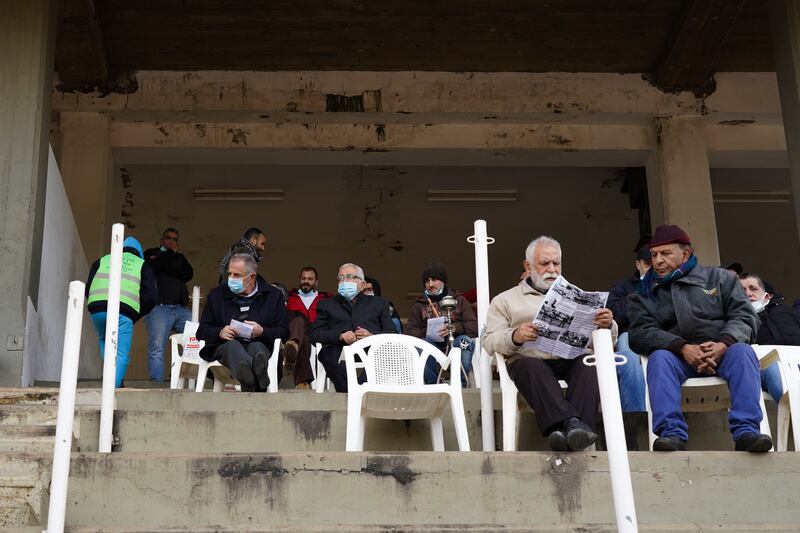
(566, 319)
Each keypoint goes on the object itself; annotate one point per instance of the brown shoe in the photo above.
(303, 386)
(290, 352)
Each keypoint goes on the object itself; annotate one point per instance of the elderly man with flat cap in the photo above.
(695, 321)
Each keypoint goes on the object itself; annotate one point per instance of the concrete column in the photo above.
(27, 40)
(86, 168)
(679, 184)
(784, 18)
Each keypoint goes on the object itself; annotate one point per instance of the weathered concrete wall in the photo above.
(63, 260)
(720, 490)
(380, 218)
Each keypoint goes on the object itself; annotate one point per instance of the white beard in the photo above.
(543, 283)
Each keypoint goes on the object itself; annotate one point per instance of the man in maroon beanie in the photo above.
(695, 321)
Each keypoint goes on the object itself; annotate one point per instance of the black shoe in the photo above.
(558, 441)
(669, 444)
(247, 379)
(579, 435)
(754, 442)
(260, 364)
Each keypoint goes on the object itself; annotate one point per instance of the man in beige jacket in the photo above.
(568, 422)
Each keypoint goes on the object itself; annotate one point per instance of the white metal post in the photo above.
(482, 242)
(195, 304)
(66, 408)
(621, 487)
(112, 341)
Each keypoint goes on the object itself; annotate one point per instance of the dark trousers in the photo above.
(232, 352)
(537, 381)
(298, 332)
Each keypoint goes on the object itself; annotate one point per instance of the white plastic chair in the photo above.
(321, 382)
(511, 406)
(187, 364)
(395, 388)
(700, 395)
(788, 359)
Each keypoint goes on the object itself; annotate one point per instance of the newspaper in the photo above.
(433, 327)
(566, 319)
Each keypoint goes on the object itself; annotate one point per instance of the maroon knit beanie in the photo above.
(669, 234)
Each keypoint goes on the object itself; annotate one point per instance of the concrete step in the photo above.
(45, 396)
(11, 415)
(426, 491)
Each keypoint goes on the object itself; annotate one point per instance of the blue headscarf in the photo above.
(131, 242)
(651, 279)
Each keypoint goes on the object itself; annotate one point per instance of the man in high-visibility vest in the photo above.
(138, 295)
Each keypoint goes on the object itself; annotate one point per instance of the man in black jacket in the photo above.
(240, 322)
(347, 317)
(629, 376)
(173, 271)
(693, 321)
(780, 324)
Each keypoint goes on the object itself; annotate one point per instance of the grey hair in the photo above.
(359, 270)
(249, 263)
(544, 239)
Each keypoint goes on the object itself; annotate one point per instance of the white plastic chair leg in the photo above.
(476, 361)
(764, 420)
(192, 383)
(355, 424)
(784, 418)
(460, 422)
(272, 366)
(437, 434)
(322, 377)
(510, 420)
(202, 373)
(181, 383)
(218, 386)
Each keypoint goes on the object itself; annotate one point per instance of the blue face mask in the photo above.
(429, 293)
(163, 249)
(348, 289)
(304, 293)
(236, 285)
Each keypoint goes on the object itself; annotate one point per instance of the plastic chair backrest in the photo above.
(393, 359)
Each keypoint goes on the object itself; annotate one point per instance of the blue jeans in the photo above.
(160, 322)
(666, 372)
(467, 347)
(630, 378)
(771, 381)
(124, 339)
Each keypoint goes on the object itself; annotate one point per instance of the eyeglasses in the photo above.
(348, 277)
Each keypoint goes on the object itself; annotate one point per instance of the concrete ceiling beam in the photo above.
(687, 62)
(81, 54)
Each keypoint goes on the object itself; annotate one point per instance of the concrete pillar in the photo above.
(679, 184)
(784, 18)
(27, 39)
(86, 168)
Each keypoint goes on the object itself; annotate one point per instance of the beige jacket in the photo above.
(509, 310)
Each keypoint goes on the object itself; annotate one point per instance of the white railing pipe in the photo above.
(66, 408)
(112, 340)
(606, 362)
(482, 242)
(195, 304)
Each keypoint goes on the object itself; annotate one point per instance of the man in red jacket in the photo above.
(302, 310)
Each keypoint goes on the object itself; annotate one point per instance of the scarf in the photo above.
(651, 280)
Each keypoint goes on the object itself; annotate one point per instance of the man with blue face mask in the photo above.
(347, 317)
(243, 297)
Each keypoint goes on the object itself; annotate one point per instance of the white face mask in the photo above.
(759, 305)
